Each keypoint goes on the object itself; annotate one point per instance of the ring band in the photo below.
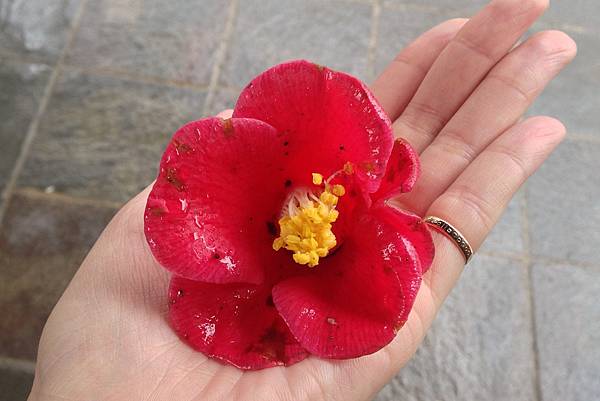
(452, 233)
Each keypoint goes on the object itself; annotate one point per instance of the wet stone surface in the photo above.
(35, 29)
(267, 32)
(480, 346)
(153, 38)
(103, 137)
(15, 384)
(22, 86)
(564, 218)
(566, 297)
(42, 243)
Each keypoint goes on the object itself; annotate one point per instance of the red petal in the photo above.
(402, 171)
(412, 229)
(236, 323)
(212, 212)
(352, 303)
(327, 117)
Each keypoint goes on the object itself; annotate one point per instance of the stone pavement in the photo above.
(90, 92)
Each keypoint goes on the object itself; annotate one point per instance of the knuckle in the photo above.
(427, 115)
(404, 60)
(517, 86)
(453, 143)
(449, 28)
(518, 166)
(472, 204)
(476, 46)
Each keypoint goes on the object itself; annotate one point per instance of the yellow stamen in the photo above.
(306, 223)
(339, 190)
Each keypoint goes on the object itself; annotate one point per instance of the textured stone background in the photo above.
(90, 92)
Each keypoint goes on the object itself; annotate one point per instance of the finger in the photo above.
(225, 114)
(461, 66)
(399, 81)
(497, 103)
(475, 201)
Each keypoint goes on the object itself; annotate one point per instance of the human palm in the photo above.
(457, 94)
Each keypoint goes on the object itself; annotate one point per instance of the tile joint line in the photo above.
(33, 126)
(15, 364)
(220, 56)
(529, 271)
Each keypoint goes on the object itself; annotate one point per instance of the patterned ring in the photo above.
(452, 233)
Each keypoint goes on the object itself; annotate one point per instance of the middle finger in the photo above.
(497, 103)
(477, 47)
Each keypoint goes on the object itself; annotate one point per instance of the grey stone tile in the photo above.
(151, 37)
(224, 99)
(267, 32)
(575, 14)
(573, 95)
(42, 243)
(400, 26)
(568, 331)
(35, 29)
(507, 235)
(22, 88)
(452, 8)
(480, 346)
(563, 208)
(103, 137)
(14, 384)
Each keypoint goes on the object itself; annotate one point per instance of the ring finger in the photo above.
(475, 201)
(497, 103)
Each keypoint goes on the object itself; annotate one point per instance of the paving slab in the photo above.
(267, 32)
(42, 242)
(568, 331)
(398, 27)
(224, 99)
(573, 96)
(458, 8)
(22, 89)
(151, 37)
(480, 346)
(562, 204)
(14, 384)
(102, 137)
(36, 30)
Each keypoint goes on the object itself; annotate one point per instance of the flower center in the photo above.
(306, 221)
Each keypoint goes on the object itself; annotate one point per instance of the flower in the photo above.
(276, 225)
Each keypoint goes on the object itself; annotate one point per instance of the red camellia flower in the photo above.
(276, 227)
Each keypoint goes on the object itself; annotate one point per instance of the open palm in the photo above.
(457, 94)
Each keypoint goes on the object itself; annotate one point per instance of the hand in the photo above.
(457, 95)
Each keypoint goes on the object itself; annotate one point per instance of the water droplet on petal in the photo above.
(229, 263)
(184, 204)
(209, 331)
(308, 312)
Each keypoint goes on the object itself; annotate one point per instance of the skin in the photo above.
(457, 94)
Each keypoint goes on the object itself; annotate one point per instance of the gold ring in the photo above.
(452, 233)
